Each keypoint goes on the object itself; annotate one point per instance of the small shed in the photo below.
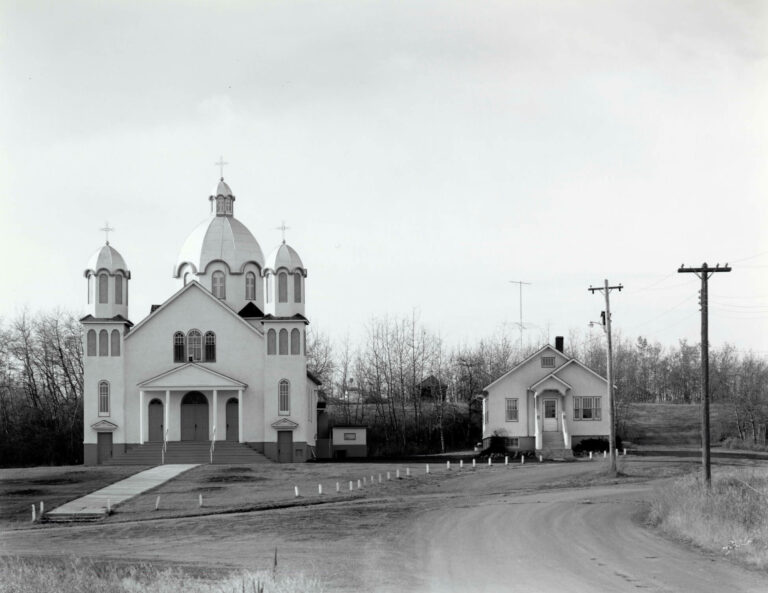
(349, 440)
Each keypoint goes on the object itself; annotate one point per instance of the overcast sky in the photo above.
(423, 155)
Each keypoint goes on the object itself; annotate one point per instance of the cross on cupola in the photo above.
(220, 165)
(107, 229)
(283, 228)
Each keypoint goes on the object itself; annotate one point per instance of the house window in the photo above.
(511, 409)
(283, 341)
(587, 408)
(282, 287)
(91, 347)
(284, 398)
(250, 286)
(103, 343)
(118, 290)
(103, 398)
(350, 436)
(115, 345)
(219, 286)
(103, 289)
(297, 287)
(210, 347)
(295, 342)
(548, 362)
(178, 347)
(195, 345)
(270, 286)
(271, 342)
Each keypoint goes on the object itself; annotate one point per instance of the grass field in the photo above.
(673, 424)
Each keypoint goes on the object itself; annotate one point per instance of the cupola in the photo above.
(284, 275)
(107, 275)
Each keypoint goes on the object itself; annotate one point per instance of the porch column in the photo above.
(166, 420)
(141, 417)
(537, 421)
(240, 416)
(215, 413)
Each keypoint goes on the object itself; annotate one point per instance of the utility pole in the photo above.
(520, 284)
(704, 272)
(612, 435)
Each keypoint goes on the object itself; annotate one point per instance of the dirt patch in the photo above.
(25, 492)
(235, 478)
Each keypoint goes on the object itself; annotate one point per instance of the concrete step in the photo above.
(225, 452)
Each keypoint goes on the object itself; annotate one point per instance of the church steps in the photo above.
(225, 452)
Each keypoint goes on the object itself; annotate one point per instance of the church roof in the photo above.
(250, 310)
(285, 256)
(220, 238)
(107, 258)
(119, 318)
(223, 189)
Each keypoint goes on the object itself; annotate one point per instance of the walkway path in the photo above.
(94, 505)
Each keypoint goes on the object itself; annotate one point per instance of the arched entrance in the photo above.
(155, 420)
(194, 417)
(233, 428)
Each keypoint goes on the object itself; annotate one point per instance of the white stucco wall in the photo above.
(103, 368)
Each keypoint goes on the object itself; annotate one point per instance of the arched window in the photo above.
(178, 347)
(271, 342)
(103, 343)
(90, 288)
(118, 290)
(284, 398)
(282, 287)
(103, 289)
(250, 286)
(297, 287)
(295, 342)
(219, 286)
(195, 345)
(270, 287)
(210, 347)
(91, 347)
(103, 398)
(283, 342)
(115, 345)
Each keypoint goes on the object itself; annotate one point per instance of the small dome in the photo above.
(220, 238)
(107, 258)
(285, 256)
(223, 189)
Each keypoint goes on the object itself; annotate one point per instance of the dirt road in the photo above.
(539, 528)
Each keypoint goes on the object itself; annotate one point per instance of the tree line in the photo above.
(415, 392)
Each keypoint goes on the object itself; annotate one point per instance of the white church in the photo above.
(222, 360)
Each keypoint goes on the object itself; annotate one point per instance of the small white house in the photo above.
(547, 403)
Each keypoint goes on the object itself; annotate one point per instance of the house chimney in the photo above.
(559, 343)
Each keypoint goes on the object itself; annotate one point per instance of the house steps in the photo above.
(553, 447)
(225, 452)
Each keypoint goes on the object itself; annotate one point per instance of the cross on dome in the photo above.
(283, 228)
(220, 165)
(107, 229)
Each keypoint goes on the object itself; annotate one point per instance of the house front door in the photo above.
(232, 421)
(550, 415)
(194, 417)
(284, 446)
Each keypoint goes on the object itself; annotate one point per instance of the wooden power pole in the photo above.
(611, 407)
(704, 272)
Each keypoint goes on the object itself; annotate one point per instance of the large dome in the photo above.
(220, 238)
(107, 258)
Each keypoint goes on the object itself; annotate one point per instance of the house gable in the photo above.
(534, 361)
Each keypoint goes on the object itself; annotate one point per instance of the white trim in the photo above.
(550, 376)
(582, 365)
(531, 357)
(228, 382)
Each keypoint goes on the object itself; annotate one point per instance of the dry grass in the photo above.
(731, 518)
(20, 576)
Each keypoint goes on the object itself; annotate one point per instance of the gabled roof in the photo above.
(191, 376)
(551, 376)
(250, 310)
(296, 317)
(207, 293)
(582, 365)
(520, 364)
(284, 424)
(117, 318)
(314, 378)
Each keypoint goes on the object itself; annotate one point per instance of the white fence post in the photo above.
(34, 511)
(351, 486)
(541, 459)
(448, 465)
(490, 463)
(427, 470)
(319, 488)
(397, 474)
(338, 487)
(473, 463)
(157, 503)
(461, 464)
(389, 476)
(506, 460)
(407, 472)
(522, 460)
(295, 492)
(379, 478)
(200, 498)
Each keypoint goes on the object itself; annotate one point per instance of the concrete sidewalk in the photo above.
(94, 505)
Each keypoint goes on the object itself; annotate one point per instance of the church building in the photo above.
(222, 359)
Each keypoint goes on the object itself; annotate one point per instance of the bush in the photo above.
(737, 443)
(598, 445)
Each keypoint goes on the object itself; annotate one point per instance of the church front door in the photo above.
(284, 446)
(155, 420)
(233, 428)
(194, 417)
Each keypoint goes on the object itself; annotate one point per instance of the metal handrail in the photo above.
(213, 443)
(165, 447)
